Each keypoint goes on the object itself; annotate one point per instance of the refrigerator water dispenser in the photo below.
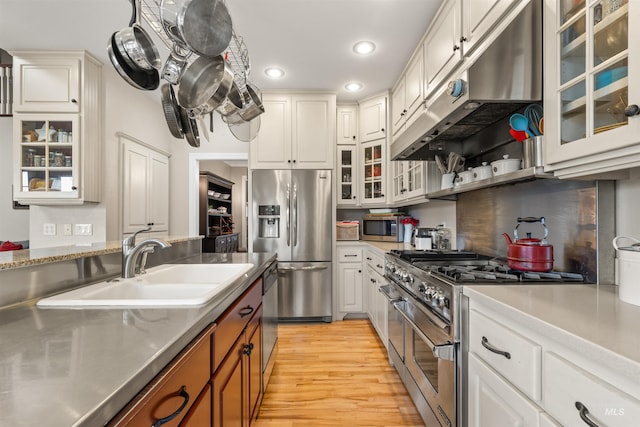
(269, 221)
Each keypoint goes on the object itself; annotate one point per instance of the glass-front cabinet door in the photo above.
(47, 150)
(373, 171)
(591, 95)
(347, 178)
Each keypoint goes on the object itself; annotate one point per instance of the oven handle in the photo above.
(441, 351)
(392, 300)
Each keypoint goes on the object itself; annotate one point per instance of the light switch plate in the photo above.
(48, 229)
(67, 231)
(84, 229)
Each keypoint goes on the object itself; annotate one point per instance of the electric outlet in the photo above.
(48, 229)
(84, 229)
(67, 231)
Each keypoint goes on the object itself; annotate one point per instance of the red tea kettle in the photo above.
(529, 254)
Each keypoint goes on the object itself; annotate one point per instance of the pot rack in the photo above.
(237, 52)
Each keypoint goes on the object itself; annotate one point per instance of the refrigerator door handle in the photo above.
(294, 220)
(310, 268)
(287, 216)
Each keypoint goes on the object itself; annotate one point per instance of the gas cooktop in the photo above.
(413, 256)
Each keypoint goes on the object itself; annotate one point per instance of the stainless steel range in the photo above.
(424, 328)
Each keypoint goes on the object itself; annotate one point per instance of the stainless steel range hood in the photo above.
(506, 77)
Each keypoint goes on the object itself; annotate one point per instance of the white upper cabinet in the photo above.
(373, 119)
(347, 125)
(46, 83)
(591, 102)
(442, 46)
(408, 95)
(57, 130)
(479, 17)
(296, 132)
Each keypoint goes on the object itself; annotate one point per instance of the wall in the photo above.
(14, 223)
(628, 205)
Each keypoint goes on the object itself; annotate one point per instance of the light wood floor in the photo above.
(332, 375)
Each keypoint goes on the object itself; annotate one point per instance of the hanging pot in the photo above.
(171, 111)
(252, 103)
(204, 26)
(190, 128)
(175, 64)
(205, 81)
(137, 77)
(230, 108)
(529, 254)
(136, 44)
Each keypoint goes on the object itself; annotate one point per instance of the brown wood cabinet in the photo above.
(237, 379)
(175, 391)
(220, 371)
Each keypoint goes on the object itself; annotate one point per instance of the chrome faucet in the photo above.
(131, 251)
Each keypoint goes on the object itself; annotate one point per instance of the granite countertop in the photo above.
(589, 319)
(79, 367)
(25, 257)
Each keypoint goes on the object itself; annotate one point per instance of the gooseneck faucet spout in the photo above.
(131, 251)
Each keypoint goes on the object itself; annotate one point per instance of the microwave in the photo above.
(383, 228)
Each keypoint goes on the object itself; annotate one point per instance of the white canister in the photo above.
(408, 233)
(628, 270)
(447, 180)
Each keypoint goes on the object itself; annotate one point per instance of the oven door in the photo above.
(395, 327)
(430, 360)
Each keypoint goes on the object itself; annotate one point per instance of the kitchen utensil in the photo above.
(247, 131)
(189, 128)
(628, 270)
(232, 104)
(441, 166)
(137, 77)
(533, 112)
(252, 103)
(521, 123)
(171, 110)
(505, 165)
(541, 125)
(532, 150)
(136, 44)
(465, 177)
(453, 161)
(529, 254)
(203, 26)
(518, 135)
(482, 172)
(205, 81)
(175, 64)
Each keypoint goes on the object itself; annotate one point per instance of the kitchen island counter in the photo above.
(79, 367)
(590, 321)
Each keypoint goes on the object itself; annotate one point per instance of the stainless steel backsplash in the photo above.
(579, 215)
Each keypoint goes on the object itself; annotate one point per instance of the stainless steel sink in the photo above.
(172, 285)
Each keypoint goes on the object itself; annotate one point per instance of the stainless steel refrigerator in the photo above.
(291, 211)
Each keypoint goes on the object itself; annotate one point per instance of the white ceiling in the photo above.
(311, 40)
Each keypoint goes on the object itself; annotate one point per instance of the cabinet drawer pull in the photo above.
(182, 393)
(584, 415)
(247, 349)
(485, 344)
(350, 255)
(246, 311)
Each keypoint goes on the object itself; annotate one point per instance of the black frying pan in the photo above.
(136, 77)
(171, 110)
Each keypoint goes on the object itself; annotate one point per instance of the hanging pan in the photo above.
(189, 128)
(134, 56)
(171, 110)
(205, 81)
(204, 26)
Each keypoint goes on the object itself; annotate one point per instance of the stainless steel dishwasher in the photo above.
(269, 321)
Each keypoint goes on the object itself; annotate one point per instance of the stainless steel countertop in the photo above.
(79, 367)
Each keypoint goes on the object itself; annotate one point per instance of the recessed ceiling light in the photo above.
(364, 47)
(353, 86)
(274, 72)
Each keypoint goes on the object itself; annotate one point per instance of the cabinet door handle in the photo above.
(74, 101)
(463, 39)
(247, 349)
(74, 188)
(246, 311)
(382, 130)
(354, 137)
(182, 393)
(485, 344)
(368, 259)
(631, 110)
(584, 415)
(455, 47)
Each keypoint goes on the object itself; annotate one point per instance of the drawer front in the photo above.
(565, 384)
(188, 375)
(234, 320)
(515, 357)
(494, 401)
(375, 261)
(349, 254)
